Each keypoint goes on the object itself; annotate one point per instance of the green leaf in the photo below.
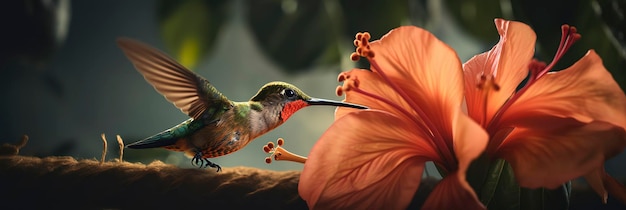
(478, 173)
(190, 27)
(542, 198)
(501, 191)
(507, 192)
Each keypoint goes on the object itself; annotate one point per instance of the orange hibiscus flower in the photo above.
(559, 125)
(374, 159)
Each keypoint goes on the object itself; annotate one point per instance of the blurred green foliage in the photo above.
(190, 27)
(298, 34)
(294, 34)
(476, 17)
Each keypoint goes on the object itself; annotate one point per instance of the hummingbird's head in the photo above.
(289, 99)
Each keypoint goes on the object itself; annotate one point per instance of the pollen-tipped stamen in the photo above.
(280, 153)
(487, 84)
(339, 90)
(361, 42)
(355, 56)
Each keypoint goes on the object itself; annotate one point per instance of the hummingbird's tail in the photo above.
(166, 138)
(162, 139)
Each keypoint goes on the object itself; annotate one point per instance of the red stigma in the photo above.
(569, 36)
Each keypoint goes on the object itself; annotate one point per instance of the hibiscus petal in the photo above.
(595, 179)
(615, 188)
(470, 140)
(507, 61)
(601, 182)
(453, 192)
(366, 160)
(549, 156)
(585, 91)
(426, 69)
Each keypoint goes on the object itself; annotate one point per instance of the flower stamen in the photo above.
(280, 153)
(348, 83)
(361, 42)
(487, 82)
(538, 69)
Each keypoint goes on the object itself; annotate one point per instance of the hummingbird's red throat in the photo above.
(292, 107)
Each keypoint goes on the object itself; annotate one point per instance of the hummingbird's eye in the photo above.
(289, 93)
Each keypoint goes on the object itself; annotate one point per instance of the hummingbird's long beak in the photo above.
(319, 101)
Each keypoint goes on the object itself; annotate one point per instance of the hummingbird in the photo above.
(217, 125)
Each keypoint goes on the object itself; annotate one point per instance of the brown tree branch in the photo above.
(64, 182)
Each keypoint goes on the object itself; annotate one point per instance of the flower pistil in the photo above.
(538, 69)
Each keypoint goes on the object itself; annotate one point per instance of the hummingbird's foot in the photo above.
(200, 162)
(197, 159)
(213, 165)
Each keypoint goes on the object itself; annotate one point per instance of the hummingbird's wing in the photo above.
(190, 92)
